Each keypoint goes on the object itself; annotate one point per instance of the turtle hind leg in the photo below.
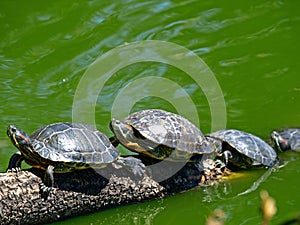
(15, 162)
(48, 182)
(132, 166)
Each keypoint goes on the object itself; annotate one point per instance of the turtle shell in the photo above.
(73, 142)
(166, 131)
(290, 137)
(248, 145)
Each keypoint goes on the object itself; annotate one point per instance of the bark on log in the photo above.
(78, 193)
(82, 192)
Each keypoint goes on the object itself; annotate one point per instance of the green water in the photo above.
(252, 47)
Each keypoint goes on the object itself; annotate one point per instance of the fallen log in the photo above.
(84, 191)
(76, 193)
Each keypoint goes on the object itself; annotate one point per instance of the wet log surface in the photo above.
(82, 192)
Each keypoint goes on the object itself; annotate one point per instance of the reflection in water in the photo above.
(257, 183)
(229, 190)
(216, 192)
(142, 214)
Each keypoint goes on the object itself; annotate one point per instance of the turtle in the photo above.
(285, 140)
(159, 135)
(240, 149)
(63, 147)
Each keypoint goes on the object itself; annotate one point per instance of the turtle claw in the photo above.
(44, 188)
(13, 170)
(14, 164)
(220, 164)
(45, 191)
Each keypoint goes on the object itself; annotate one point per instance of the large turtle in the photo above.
(160, 135)
(285, 140)
(62, 147)
(242, 150)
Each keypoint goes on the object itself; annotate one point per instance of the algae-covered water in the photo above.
(251, 48)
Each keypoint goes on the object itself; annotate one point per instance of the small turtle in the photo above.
(241, 149)
(160, 135)
(286, 140)
(62, 147)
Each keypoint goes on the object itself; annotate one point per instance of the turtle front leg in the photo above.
(48, 181)
(15, 162)
(49, 178)
(227, 155)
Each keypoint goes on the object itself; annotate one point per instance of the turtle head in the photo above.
(280, 143)
(126, 134)
(122, 131)
(19, 138)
